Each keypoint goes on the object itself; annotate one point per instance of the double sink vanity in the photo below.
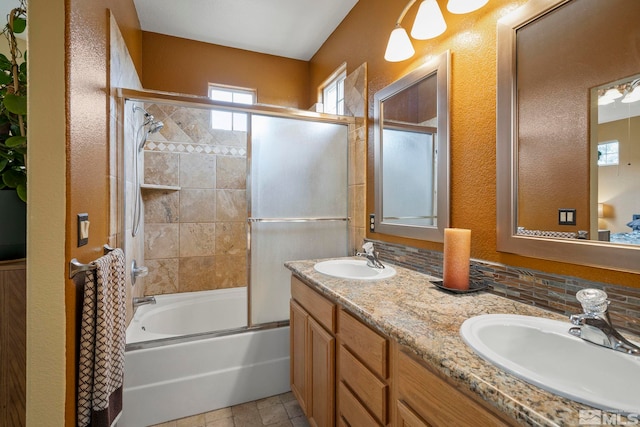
(388, 350)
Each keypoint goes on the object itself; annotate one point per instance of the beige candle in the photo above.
(457, 249)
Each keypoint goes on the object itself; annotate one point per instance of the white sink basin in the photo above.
(353, 269)
(542, 352)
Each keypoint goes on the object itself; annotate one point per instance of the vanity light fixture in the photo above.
(429, 23)
(632, 95)
(465, 6)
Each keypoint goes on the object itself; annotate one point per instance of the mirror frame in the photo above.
(583, 252)
(438, 66)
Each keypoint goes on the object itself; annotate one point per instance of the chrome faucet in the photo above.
(370, 255)
(594, 325)
(138, 301)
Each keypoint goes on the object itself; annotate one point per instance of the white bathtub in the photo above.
(180, 379)
(189, 313)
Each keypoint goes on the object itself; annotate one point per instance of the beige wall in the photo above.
(184, 66)
(362, 37)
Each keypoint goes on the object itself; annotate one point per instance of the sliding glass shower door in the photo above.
(298, 204)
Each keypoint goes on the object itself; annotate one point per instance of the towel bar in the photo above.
(76, 266)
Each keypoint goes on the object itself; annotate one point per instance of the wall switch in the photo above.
(566, 217)
(372, 222)
(83, 229)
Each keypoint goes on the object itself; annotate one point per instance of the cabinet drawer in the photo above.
(352, 411)
(435, 400)
(315, 304)
(371, 391)
(370, 347)
(407, 418)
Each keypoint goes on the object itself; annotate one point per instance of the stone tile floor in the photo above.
(275, 411)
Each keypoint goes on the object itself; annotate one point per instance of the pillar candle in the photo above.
(457, 249)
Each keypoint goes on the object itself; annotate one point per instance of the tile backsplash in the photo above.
(549, 291)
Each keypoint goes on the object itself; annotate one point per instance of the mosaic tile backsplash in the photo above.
(548, 291)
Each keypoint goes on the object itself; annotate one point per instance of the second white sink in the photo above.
(542, 352)
(353, 269)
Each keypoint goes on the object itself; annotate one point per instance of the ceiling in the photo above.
(289, 28)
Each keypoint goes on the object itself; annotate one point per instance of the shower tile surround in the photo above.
(548, 291)
(195, 236)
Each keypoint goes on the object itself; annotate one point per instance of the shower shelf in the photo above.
(159, 187)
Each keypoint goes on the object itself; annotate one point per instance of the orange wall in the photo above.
(362, 37)
(178, 65)
(88, 141)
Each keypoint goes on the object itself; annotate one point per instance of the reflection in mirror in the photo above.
(411, 153)
(554, 201)
(616, 140)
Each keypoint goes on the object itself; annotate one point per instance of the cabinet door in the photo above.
(321, 380)
(298, 325)
(407, 418)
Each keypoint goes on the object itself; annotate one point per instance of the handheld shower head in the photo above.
(155, 126)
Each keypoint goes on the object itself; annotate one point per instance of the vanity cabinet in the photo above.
(362, 374)
(345, 373)
(425, 399)
(313, 343)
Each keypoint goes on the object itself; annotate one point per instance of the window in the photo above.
(228, 120)
(331, 92)
(608, 153)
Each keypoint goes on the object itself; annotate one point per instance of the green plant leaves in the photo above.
(19, 25)
(21, 189)
(13, 178)
(5, 64)
(15, 104)
(15, 141)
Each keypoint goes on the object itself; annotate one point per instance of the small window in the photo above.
(331, 92)
(608, 153)
(228, 120)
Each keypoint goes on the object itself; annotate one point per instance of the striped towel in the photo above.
(102, 342)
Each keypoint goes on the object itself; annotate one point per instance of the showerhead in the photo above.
(155, 126)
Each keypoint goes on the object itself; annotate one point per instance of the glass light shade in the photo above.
(429, 21)
(612, 93)
(399, 47)
(633, 96)
(603, 100)
(465, 6)
(600, 210)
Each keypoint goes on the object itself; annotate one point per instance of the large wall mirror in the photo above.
(411, 131)
(568, 132)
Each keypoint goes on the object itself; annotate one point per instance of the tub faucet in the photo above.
(138, 301)
(594, 325)
(370, 255)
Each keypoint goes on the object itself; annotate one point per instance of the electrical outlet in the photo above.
(372, 222)
(83, 229)
(566, 217)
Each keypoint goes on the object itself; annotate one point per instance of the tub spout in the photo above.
(138, 301)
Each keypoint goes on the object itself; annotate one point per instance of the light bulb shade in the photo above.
(633, 96)
(612, 93)
(429, 21)
(399, 47)
(600, 210)
(465, 6)
(603, 100)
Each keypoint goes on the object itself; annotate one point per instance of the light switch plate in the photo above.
(566, 217)
(83, 229)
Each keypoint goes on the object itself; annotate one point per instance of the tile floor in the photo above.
(275, 411)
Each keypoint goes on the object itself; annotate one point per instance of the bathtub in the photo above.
(189, 313)
(185, 377)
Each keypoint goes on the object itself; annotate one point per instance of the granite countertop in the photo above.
(412, 311)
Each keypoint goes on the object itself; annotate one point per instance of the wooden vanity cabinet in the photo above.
(425, 399)
(345, 373)
(362, 374)
(313, 343)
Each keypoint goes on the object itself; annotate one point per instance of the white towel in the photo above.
(102, 342)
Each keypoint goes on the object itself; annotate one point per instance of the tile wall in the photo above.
(549, 291)
(194, 203)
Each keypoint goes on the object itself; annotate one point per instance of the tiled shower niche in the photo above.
(194, 195)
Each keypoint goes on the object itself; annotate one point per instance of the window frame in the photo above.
(234, 117)
(335, 80)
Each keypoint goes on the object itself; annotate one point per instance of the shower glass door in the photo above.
(298, 204)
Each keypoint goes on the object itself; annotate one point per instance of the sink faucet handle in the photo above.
(368, 247)
(594, 301)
